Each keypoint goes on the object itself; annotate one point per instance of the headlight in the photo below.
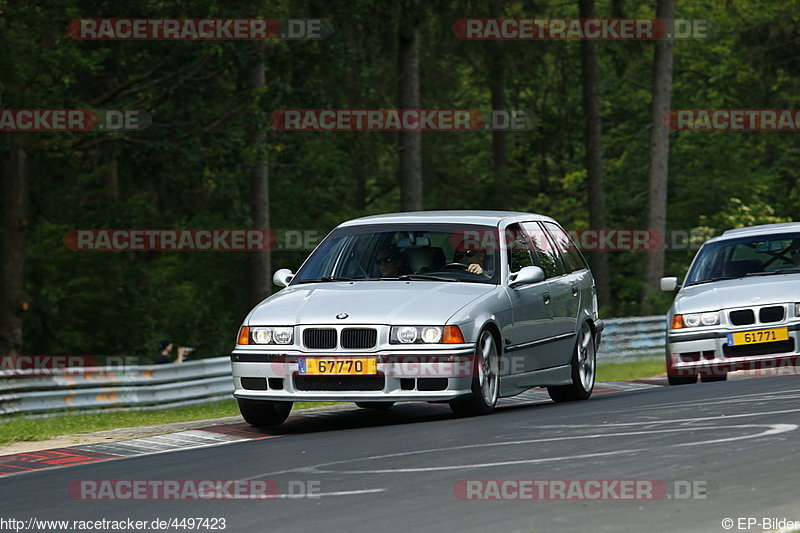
(416, 335)
(431, 335)
(693, 320)
(282, 335)
(272, 335)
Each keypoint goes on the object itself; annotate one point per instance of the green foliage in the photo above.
(191, 168)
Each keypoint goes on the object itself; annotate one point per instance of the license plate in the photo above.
(321, 366)
(759, 336)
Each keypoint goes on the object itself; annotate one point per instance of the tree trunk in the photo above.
(659, 153)
(261, 262)
(495, 60)
(13, 303)
(410, 142)
(112, 179)
(594, 153)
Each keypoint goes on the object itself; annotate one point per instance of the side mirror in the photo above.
(529, 274)
(282, 277)
(669, 284)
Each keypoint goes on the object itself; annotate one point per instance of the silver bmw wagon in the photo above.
(460, 307)
(739, 306)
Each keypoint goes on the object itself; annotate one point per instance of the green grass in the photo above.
(644, 368)
(19, 428)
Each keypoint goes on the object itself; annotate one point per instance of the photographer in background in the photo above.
(164, 350)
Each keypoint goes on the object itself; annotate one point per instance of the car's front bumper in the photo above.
(707, 353)
(407, 375)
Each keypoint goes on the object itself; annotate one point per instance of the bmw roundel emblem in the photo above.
(342, 316)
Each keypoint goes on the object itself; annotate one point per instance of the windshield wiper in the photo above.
(423, 277)
(335, 278)
(782, 271)
(711, 279)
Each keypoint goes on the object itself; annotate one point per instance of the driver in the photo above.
(472, 257)
(794, 251)
(388, 261)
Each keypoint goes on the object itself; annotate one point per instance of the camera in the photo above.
(188, 350)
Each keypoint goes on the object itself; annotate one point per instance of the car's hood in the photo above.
(367, 302)
(743, 292)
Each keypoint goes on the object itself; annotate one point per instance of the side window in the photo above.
(545, 256)
(572, 257)
(519, 251)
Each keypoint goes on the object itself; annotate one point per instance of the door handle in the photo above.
(574, 289)
(546, 297)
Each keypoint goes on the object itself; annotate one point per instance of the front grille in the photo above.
(771, 314)
(765, 348)
(339, 383)
(319, 339)
(359, 338)
(742, 317)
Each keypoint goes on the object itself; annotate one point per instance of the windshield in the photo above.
(430, 252)
(759, 255)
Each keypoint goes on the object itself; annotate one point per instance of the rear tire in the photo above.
(383, 406)
(584, 365)
(485, 383)
(681, 380)
(264, 413)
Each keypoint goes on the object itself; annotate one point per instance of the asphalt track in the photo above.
(735, 443)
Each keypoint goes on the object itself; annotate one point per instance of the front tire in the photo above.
(264, 413)
(584, 365)
(485, 383)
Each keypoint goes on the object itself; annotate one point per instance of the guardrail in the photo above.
(160, 386)
(635, 336)
(92, 388)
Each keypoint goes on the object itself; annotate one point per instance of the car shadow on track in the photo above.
(343, 418)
